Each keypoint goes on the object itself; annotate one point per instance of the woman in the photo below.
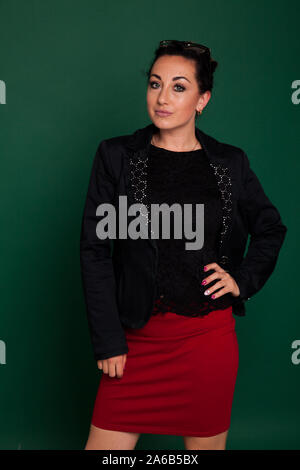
(165, 310)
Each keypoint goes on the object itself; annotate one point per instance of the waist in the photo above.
(170, 325)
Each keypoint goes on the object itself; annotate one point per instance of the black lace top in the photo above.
(185, 177)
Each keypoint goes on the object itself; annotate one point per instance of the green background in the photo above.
(74, 76)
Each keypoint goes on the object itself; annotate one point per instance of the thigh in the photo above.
(217, 442)
(216, 359)
(105, 439)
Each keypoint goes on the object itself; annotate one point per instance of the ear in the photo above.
(203, 100)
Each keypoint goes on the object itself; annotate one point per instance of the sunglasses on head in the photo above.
(188, 44)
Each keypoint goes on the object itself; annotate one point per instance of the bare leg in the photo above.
(217, 442)
(105, 439)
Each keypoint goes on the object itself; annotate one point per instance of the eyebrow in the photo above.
(174, 78)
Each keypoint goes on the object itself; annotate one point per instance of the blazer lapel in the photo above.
(136, 159)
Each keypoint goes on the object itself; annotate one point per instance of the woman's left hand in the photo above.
(226, 281)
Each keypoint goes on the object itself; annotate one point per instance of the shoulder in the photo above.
(110, 152)
(110, 147)
(237, 159)
(232, 151)
(231, 156)
(113, 144)
(236, 156)
(222, 149)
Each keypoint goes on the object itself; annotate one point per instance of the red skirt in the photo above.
(179, 377)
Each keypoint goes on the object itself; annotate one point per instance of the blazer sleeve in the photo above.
(267, 233)
(97, 272)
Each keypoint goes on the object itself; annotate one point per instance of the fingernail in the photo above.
(213, 296)
(203, 282)
(206, 292)
(205, 268)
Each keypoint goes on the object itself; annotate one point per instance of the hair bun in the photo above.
(213, 65)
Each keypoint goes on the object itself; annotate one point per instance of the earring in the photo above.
(198, 112)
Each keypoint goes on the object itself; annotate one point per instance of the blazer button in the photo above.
(249, 298)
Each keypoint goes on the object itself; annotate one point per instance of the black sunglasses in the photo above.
(188, 44)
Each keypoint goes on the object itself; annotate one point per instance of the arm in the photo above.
(267, 233)
(107, 335)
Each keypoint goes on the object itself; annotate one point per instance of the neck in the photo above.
(178, 140)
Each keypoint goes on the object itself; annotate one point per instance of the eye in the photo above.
(182, 88)
(152, 83)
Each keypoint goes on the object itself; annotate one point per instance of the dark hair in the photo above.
(205, 65)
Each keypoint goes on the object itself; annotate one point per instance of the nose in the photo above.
(163, 96)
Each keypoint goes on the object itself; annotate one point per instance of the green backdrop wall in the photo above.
(71, 75)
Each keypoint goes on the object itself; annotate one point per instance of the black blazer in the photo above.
(119, 275)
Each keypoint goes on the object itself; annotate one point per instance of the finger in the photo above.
(214, 266)
(221, 292)
(112, 368)
(119, 369)
(215, 287)
(213, 276)
(105, 366)
(99, 364)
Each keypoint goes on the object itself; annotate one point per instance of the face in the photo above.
(172, 87)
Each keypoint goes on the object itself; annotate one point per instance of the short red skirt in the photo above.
(179, 377)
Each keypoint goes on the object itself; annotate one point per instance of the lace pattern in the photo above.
(224, 183)
(187, 177)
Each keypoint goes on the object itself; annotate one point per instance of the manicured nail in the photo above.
(205, 268)
(203, 282)
(206, 292)
(213, 296)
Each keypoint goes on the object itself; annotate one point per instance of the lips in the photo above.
(162, 113)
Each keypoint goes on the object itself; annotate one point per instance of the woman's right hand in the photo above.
(113, 366)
